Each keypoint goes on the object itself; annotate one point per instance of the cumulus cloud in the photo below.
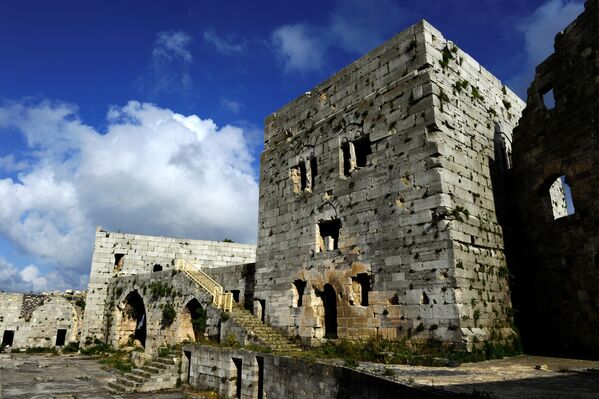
(539, 31)
(222, 45)
(354, 27)
(153, 171)
(29, 279)
(169, 67)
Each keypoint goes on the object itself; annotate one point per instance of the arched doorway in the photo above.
(329, 301)
(192, 322)
(132, 326)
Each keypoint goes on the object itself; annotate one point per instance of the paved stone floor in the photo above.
(41, 376)
(511, 378)
(37, 376)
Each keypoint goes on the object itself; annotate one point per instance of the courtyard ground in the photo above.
(37, 376)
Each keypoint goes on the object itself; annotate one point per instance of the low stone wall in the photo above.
(238, 373)
(28, 320)
(239, 279)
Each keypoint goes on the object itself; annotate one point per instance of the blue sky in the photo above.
(146, 116)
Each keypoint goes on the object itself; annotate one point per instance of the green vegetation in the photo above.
(460, 85)
(228, 240)
(476, 93)
(198, 321)
(95, 347)
(168, 315)
(118, 360)
(80, 302)
(507, 104)
(159, 290)
(428, 353)
(71, 347)
(37, 349)
(459, 212)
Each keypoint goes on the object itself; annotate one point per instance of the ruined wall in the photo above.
(215, 369)
(156, 291)
(117, 254)
(34, 320)
(377, 199)
(556, 262)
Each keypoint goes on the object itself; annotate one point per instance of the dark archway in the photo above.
(329, 301)
(192, 321)
(133, 320)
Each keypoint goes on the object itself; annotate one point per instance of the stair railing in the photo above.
(220, 299)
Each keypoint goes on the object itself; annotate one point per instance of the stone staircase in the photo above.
(160, 373)
(261, 332)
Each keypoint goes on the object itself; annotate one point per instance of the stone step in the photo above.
(141, 373)
(113, 385)
(152, 369)
(167, 361)
(139, 378)
(127, 382)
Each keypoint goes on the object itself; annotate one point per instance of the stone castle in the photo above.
(397, 199)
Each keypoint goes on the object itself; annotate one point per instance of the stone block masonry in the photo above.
(556, 146)
(39, 321)
(378, 191)
(118, 255)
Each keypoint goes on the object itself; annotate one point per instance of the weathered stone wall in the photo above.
(556, 263)
(214, 369)
(36, 319)
(156, 290)
(377, 195)
(117, 254)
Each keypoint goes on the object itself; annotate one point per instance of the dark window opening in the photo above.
(313, 170)
(236, 295)
(61, 336)
(157, 268)
(424, 299)
(198, 318)
(119, 262)
(329, 235)
(238, 366)
(262, 310)
(8, 338)
(260, 361)
(303, 176)
(346, 158)
(329, 301)
(548, 97)
(363, 280)
(188, 357)
(362, 150)
(299, 288)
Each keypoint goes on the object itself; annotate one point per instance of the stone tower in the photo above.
(556, 163)
(378, 193)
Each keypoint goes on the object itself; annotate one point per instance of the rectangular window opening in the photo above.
(61, 336)
(313, 170)
(362, 282)
(236, 295)
(188, 357)
(346, 158)
(238, 367)
(119, 262)
(363, 150)
(548, 97)
(329, 235)
(260, 361)
(8, 338)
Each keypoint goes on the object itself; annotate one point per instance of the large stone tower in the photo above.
(378, 194)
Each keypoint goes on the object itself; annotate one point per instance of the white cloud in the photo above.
(232, 105)
(354, 27)
(222, 45)
(153, 172)
(28, 279)
(298, 47)
(169, 67)
(539, 32)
